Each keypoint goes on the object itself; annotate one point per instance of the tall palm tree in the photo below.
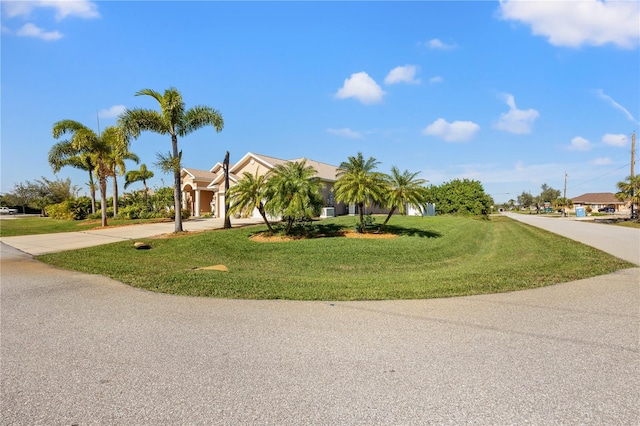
(85, 141)
(115, 159)
(629, 189)
(404, 189)
(359, 183)
(174, 120)
(64, 154)
(293, 191)
(249, 192)
(141, 175)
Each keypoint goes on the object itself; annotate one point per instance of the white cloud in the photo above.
(577, 23)
(405, 74)
(579, 144)
(30, 30)
(516, 120)
(436, 44)
(458, 131)
(436, 79)
(615, 140)
(112, 112)
(361, 87)
(345, 133)
(603, 161)
(616, 105)
(63, 8)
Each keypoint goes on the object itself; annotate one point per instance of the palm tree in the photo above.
(359, 183)
(115, 160)
(64, 154)
(629, 189)
(404, 189)
(249, 192)
(85, 141)
(293, 191)
(174, 120)
(140, 175)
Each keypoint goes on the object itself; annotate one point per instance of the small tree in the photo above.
(141, 175)
(293, 191)
(359, 182)
(404, 190)
(249, 193)
(629, 190)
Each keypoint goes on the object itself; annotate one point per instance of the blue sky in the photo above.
(513, 94)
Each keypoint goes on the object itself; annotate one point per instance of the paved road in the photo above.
(81, 349)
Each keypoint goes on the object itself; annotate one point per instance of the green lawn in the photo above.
(432, 257)
(45, 225)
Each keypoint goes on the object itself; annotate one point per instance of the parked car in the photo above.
(607, 210)
(7, 210)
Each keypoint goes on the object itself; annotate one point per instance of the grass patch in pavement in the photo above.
(432, 257)
(46, 225)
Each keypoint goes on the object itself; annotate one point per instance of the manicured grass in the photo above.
(432, 257)
(45, 225)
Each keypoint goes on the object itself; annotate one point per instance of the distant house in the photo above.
(598, 200)
(203, 191)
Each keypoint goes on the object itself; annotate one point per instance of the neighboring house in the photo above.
(203, 191)
(598, 200)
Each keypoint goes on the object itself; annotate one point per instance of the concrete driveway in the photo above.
(82, 349)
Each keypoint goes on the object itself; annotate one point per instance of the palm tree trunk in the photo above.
(92, 191)
(103, 193)
(115, 193)
(393, 209)
(264, 217)
(361, 212)
(177, 194)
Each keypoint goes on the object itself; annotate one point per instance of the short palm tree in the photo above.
(404, 190)
(629, 190)
(85, 141)
(141, 175)
(249, 192)
(174, 120)
(293, 191)
(359, 183)
(64, 154)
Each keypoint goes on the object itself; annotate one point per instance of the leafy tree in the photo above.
(548, 194)
(525, 199)
(173, 120)
(358, 182)
(141, 175)
(461, 197)
(41, 193)
(404, 189)
(629, 190)
(249, 193)
(64, 154)
(293, 191)
(85, 141)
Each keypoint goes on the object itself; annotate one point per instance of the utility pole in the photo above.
(225, 167)
(631, 178)
(564, 196)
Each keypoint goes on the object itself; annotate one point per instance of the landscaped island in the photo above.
(438, 256)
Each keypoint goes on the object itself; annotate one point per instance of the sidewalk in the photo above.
(51, 243)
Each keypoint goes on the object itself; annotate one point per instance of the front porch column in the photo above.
(184, 200)
(197, 212)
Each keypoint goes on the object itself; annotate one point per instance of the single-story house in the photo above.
(203, 190)
(598, 200)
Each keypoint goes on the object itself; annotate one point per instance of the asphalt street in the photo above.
(80, 349)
